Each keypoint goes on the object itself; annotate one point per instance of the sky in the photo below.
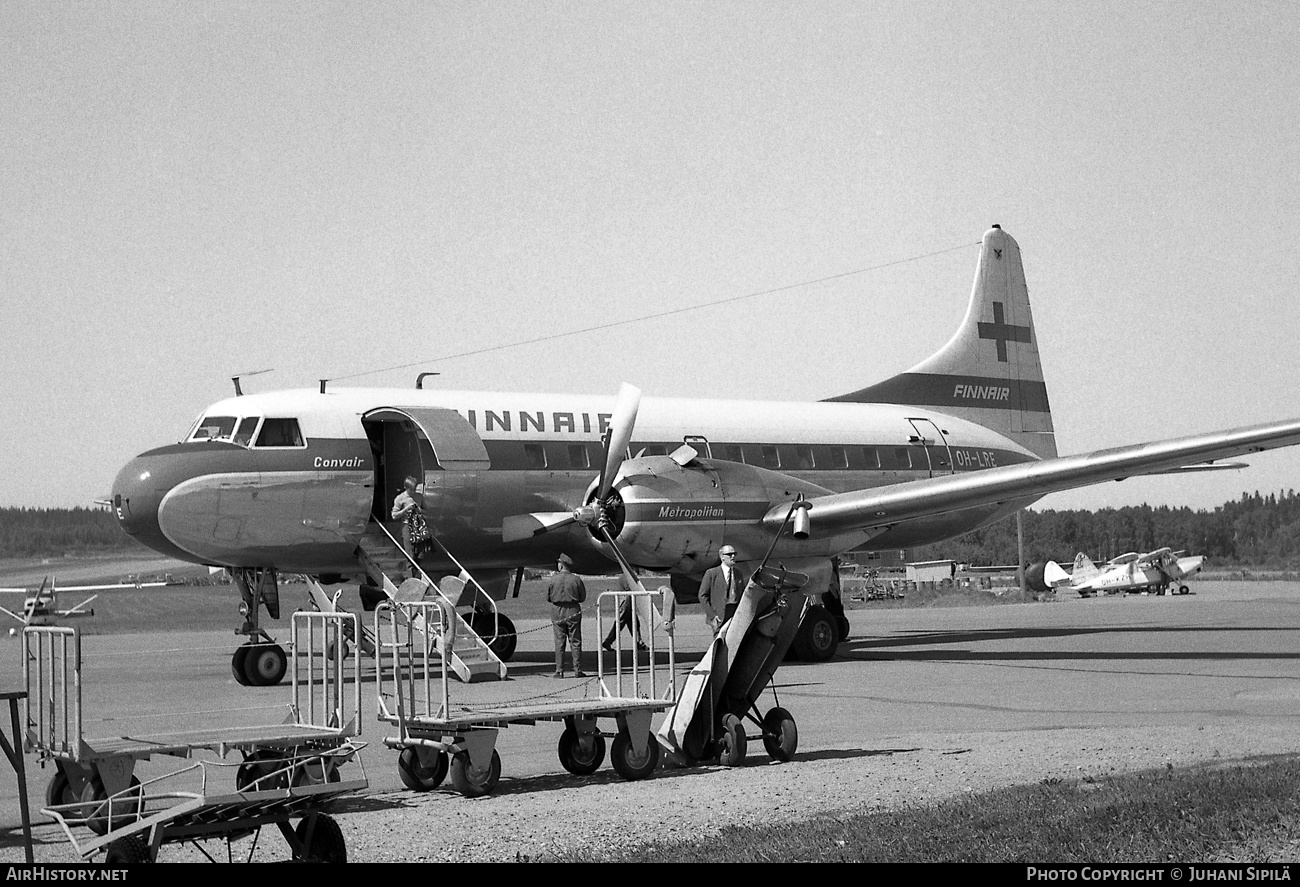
(193, 190)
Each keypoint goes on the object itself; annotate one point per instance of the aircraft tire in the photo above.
(237, 660)
(627, 763)
(265, 665)
(817, 637)
(128, 851)
(474, 782)
(503, 647)
(577, 759)
(327, 844)
(780, 734)
(419, 778)
(732, 745)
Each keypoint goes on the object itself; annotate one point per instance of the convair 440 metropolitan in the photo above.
(303, 481)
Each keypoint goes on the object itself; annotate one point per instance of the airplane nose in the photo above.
(138, 491)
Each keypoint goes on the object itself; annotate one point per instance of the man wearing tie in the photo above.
(721, 588)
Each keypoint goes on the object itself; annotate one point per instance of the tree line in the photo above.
(1257, 531)
(46, 532)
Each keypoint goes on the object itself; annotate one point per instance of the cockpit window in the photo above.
(279, 433)
(244, 436)
(214, 428)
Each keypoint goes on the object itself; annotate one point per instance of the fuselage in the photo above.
(291, 479)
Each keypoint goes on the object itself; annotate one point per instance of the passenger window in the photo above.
(771, 459)
(214, 428)
(734, 454)
(903, 457)
(279, 433)
(836, 457)
(534, 456)
(244, 436)
(803, 458)
(578, 456)
(871, 457)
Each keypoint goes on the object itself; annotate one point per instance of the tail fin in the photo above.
(989, 372)
(1084, 568)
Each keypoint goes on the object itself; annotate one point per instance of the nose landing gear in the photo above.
(261, 662)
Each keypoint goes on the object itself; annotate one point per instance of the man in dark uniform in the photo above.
(565, 592)
(721, 588)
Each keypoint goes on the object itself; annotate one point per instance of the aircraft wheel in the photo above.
(258, 765)
(627, 763)
(265, 665)
(237, 660)
(471, 781)
(780, 735)
(731, 747)
(581, 754)
(128, 851)
(842, 626)
(327, 844)
(126, 809)
(503, 647)
(416, 776)
(816, 638)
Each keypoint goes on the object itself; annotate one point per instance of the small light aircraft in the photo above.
(41, 607)
(1160, 572)
(302, 481)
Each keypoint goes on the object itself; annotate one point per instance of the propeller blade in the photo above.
(618, 436)
(629, 575)
(517, 527)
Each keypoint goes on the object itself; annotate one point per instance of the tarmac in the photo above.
(1227, 655)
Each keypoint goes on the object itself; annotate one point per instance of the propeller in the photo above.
(617, 436)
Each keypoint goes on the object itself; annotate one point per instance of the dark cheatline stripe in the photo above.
(927, 389)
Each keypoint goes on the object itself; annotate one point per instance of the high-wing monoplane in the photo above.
(302, 481)
(1159, 572)
(41, 606)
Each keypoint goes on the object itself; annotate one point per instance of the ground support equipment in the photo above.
(437, 739)
(723, 690)
(287, 770)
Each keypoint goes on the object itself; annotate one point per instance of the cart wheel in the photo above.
(627, 763)
(237, 660)
(265, 665)
(315, 771)
(126, 809)
(128, 850)
(731, 746)
(258, 765)
(59, 791)
(332, 646)
(581, 754)
(419, 778)
(471, 781)
(780, 735)
(327, 843)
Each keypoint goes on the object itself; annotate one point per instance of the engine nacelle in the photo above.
(675, 517)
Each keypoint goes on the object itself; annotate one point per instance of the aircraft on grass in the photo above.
(302, 481)
(40, 607)
(1158, 571)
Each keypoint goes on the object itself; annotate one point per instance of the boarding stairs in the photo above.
(387, 565)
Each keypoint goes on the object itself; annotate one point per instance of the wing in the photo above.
(885, 506)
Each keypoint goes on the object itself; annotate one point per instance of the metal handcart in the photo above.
(436, 738)
(288, 771)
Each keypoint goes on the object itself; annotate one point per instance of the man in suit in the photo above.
(721, 588)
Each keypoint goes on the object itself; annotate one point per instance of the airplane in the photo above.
(40, 607)
(1157, 571)
(301, 481)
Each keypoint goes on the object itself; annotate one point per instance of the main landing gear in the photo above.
(261, 662)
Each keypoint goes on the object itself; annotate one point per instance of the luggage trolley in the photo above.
(288, 770)
(436, 739)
